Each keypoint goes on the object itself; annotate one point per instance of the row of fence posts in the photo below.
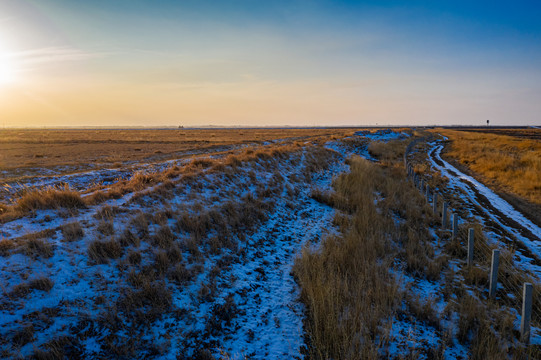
(526, 313)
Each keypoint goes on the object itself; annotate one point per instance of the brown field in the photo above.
(375, 262)
(510, 163)
(521, 133)
(24, 150)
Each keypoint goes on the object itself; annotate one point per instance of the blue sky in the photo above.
(135, 62)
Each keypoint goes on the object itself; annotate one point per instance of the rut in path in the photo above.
(497, 214)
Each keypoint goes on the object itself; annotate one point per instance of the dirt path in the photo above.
(498, 216)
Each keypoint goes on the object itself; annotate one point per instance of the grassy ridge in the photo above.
(355, 287)
(334, 279)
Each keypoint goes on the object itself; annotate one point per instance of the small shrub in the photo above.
(147, 303)
(129, 239)
(106, 228)
(72, 231)
(102, 251)
(107, 212)
(22, 290)
(49, 198)
(474, 275)
(180, 274)
(164, 237)
(24, 336)
(35, 248)
(5, 246)
(161, 263)
(141, 222)
(134, 257)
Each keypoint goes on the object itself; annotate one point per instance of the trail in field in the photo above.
(82, 180)
(253, 308)
(493, 207)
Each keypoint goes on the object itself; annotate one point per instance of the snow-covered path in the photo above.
(241, 301)
(493, 206)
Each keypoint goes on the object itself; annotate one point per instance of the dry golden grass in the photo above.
(346, 285)
(510, 163)
(22, 290)
(72, 231)
(49, 198)
(21, 149)
(351, 295)
(101, 251)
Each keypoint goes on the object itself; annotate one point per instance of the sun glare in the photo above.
(7, 66)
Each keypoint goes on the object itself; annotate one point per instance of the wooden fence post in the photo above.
(444, 216)
(526, 313)
(428, 193)
(435, 202)
(470, 246)
(494, 272)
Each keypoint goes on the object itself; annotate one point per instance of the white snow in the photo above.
(456, 180)
(268, 318)
(382, 135)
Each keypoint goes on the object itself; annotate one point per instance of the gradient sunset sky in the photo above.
(269, 63)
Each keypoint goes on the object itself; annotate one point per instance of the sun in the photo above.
(8, 70)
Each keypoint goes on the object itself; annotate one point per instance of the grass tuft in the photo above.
(49, 198)
(102, 251)
(72, 231)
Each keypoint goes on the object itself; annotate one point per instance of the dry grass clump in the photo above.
(196, 224)
(35, 247)
(102, 251)
(316, 159)
(107, 213)
(129, 239)
(180, 274)
(134, 257)
(22, 290)
(72, 231)
(387, 151)
(97, 197)
(139, 181)
(512, 164)
(423, 309)
(141, 222)
(49, 198)
(346, 284)
(24, 335)
(6, 245)
(105, 228)
(487, 330)
(145, 304)
(164, 237)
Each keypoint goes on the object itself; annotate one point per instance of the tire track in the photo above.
(509, 223)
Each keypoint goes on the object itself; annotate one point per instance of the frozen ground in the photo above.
(503, 225)
(382, 135)
(494, 207)
(92, 176)
(240, 300)
(205, 267)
